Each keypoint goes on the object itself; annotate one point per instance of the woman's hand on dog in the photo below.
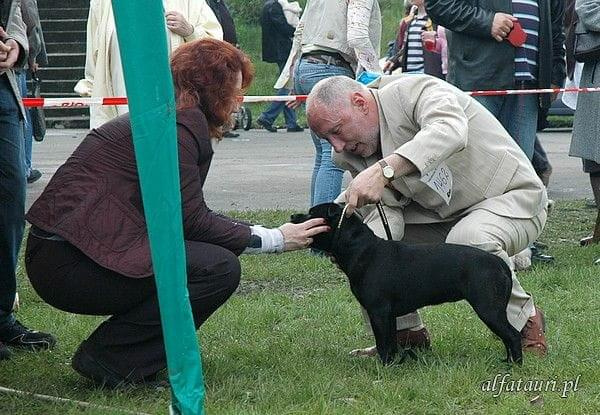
(367, 187)
(300, 236)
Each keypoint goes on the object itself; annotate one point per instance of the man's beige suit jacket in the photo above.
(430, 122)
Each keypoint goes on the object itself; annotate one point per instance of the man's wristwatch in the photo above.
(388, 171)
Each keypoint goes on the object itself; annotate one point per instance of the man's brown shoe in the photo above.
(532, 336)
(413, 339)
(407, 339)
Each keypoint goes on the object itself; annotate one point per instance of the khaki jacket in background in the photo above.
(103, 71)
(324, 24)
(430, 122)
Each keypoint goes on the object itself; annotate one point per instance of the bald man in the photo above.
(445, 170)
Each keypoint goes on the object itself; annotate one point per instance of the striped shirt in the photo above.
(526, 56)
(414, 46)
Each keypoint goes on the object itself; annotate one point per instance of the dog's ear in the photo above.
(299, 218)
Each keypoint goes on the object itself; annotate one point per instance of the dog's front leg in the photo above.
(384, 328)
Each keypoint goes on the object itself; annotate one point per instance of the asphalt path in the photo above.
(262, 170)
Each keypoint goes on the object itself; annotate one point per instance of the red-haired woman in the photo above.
(88, 251)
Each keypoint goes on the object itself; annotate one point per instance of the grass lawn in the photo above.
(280, 345)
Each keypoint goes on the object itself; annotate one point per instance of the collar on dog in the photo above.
(342, 217)
(339, 225)
(386, 224)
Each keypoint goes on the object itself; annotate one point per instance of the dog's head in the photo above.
(332, 213)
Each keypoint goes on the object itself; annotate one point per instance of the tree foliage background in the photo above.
(249, 10)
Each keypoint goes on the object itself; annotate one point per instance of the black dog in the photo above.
(391, 278)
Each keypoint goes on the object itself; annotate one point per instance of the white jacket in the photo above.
(103, 71)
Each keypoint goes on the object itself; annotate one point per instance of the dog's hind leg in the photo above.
(384, 328)
(498, 323)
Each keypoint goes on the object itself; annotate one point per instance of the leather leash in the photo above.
(386, 224)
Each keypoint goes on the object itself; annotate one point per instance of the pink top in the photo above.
(441, 46)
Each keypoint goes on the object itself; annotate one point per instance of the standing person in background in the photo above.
(409, 52)
(332, 38)
(540, 161)
(291, 11)
(186, 20)
(225, 19)
(480, 57)
(13, 54)
(37, 57)
(574, 68)
(223, 15)
(277, 36)
(440, 45)
(586, 130)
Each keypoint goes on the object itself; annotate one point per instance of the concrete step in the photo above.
(60, 87)
(62, 13)
(66, 59)
(60, 25)
(76, 4)
(66, 36)
(64, 25)
(62, 72)
(64, 94)
(69, 47)
(67, 112)
(75, 121)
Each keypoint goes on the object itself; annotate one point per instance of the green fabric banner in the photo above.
(141, 31)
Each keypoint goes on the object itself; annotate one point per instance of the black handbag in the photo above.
(36, 114)
(587, 44)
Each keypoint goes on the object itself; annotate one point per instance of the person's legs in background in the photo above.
(518, 114)
(32, 175)
(593, 169)
(595, 181)
(540, 161)
(326, 182)
(12, 223)
(493, 104)
(267, 118)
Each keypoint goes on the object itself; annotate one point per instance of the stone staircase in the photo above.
(64, 26)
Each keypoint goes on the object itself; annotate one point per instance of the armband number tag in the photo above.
(440, 181)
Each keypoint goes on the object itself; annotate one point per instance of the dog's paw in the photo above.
(366, 352)
(522, 260)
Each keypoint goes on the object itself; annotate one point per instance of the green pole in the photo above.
(142, 36)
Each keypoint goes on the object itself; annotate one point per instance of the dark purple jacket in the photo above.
(93, 200)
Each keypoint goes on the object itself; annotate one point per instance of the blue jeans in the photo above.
(27, 129)
(518, 114)
(271, 113)
(326, 183)
(12, 197)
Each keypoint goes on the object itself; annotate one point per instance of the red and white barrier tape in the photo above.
(70, 102)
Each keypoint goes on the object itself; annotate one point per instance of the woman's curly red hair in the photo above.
(205, 74)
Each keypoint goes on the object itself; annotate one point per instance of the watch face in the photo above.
(388, 172)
